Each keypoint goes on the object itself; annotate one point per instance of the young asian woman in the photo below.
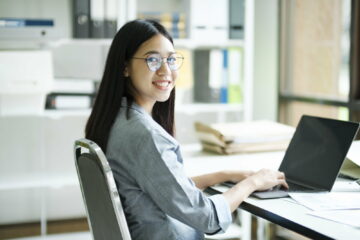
(132, 120)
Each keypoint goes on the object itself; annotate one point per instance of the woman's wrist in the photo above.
(236, 176)
(251, 183)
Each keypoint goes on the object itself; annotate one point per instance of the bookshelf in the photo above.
(186, 111)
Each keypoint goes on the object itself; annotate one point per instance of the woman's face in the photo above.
(151, 86)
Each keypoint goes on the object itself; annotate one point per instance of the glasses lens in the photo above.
(175, 61)
(154, 62)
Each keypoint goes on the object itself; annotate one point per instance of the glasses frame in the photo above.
(179, 56)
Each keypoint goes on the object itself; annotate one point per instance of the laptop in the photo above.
(314, 156)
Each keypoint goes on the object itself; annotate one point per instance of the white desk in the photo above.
(279, 211)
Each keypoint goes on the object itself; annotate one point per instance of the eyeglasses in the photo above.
(154, 61)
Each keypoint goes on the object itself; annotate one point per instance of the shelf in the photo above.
(37, 180)
(208, 107)
(193, 44)
(178, 42)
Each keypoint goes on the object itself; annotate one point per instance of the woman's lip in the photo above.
(161, 81)
(158, 84)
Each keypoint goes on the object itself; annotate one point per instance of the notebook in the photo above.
(314, 156)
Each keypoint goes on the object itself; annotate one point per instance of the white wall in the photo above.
(265, 88)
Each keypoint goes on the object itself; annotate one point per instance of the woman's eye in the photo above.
(152, 59)
(171, 60)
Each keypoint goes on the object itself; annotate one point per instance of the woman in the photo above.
(133, 121)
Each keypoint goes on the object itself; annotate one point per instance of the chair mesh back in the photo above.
(100, 208)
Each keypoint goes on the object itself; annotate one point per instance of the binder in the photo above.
(110, 18)
(235, 74)
(224, 80)
(209, 20)
(236, 19)
(200, 27)
(215, 74)
(201, 75)
(208, 71)
(97, 23)
(81, 19)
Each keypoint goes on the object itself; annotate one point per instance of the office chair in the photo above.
(105, 214)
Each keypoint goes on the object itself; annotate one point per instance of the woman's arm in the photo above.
(206, 180)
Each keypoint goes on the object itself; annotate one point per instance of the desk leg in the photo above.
(43, 224)
(263, 229)
(245, 224)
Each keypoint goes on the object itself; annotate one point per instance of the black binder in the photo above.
(236, 20)
(81, 18)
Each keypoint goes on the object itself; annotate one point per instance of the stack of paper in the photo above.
(351, 165)
(237, 137)
(342, 207)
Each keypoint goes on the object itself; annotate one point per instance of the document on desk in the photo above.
(328, 201)
(349, 217)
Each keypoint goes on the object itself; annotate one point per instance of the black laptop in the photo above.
(314, 156)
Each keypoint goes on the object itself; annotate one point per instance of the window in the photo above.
(317, 59)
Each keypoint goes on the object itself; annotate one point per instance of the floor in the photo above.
(63, 236)
(231, 233)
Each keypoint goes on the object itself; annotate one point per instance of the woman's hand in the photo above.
(266, 178)
(260, 180)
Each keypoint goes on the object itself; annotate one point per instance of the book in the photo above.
(245, 147)
(237, 137)
(174, 22)
(68, 101)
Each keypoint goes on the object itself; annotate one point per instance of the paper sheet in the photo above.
(354, 153)
(349, 217)
(328, 201)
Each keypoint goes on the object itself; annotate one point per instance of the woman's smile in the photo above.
(162, 84)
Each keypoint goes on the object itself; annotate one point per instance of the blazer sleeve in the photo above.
(160, 174)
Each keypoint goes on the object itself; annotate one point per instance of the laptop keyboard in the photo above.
(296, 188)
(292, 187)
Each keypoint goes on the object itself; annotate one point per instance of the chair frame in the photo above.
(94, 149)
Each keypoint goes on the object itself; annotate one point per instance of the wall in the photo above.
(265, 88)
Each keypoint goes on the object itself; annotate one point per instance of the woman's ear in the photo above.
(126, 72)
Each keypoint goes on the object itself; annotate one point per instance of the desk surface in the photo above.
(283, 212)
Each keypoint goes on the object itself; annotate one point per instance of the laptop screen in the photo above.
(317, 151)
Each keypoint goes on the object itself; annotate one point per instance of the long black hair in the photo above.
(114, 84)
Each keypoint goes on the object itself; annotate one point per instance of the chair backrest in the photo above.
(105, 214)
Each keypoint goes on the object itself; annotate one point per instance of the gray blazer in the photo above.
(159, 200)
